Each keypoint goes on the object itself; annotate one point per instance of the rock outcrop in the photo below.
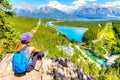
(46, 69)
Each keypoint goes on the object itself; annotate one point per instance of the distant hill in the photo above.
(84, 12)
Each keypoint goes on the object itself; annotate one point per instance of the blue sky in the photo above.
(65, 4)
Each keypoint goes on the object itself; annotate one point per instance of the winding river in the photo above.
(96, 59)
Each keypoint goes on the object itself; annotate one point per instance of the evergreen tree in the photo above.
(7, 32)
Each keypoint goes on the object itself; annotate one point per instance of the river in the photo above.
(96, 59)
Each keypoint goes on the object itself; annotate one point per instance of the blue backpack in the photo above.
(19, 61)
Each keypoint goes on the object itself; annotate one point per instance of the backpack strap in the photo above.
(24, 48)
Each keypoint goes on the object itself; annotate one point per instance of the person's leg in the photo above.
(35, 56)
(41, 54)
(33, 62)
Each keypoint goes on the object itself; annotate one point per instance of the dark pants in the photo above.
(35, 56)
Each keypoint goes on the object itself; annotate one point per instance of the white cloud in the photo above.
(113, 3)
(81, 2)
(63, 7)
(94, 3)
(55, 3)
(58, 5)
(24, 6)
(91, 0)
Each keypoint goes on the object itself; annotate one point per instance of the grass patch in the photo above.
(23, 24)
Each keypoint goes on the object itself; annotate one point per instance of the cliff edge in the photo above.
(46, 69)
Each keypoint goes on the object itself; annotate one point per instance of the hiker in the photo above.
(32, 54)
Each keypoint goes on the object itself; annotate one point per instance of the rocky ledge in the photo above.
(46, 69)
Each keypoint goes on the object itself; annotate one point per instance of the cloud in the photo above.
(55, 3)
(81, 2)
(74, 5)
(91, 0)
(58, 5)
(94, 3)
(113, 3)
(24, 6)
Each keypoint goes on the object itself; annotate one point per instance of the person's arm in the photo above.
(18, 48)
(33, 50)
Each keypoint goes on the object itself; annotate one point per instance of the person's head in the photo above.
(25, 38)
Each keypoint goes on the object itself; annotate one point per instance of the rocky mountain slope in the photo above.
(97, 12)
(84, 12)
(46, 69)
(44, 12)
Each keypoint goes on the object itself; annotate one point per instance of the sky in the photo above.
(60, 4)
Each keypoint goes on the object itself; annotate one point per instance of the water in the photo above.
(96, 59)
(77, 34)
(70, 32)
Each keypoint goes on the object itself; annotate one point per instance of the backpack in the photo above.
(19, 61)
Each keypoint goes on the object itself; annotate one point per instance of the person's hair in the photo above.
(25, 41)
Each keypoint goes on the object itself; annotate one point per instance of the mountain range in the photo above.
(84, 12)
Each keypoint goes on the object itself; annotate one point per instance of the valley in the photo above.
(98, 39)
(106, 33)
(82, 38)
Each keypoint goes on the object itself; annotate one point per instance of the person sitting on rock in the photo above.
(32, 54)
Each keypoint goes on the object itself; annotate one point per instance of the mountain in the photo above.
(44, 12)
(45, 69)
(84, 12)
(116, 11)
(97, 12)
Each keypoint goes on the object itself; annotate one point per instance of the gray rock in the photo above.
(45, 69)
